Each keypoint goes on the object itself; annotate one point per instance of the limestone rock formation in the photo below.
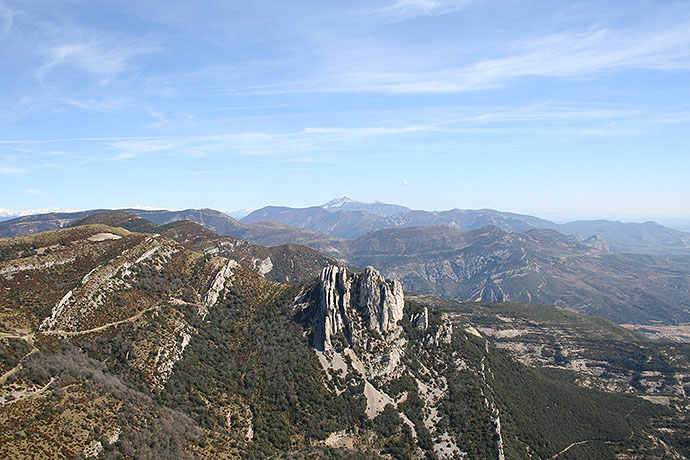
(421, 320)
(352, 303)
(597, 242)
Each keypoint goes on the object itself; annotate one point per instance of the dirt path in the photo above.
(568, 448)
(632, 433)
(29, 338)
(30, 394)
(100, 328)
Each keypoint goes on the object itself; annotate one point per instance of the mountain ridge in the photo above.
(484, 264)
(540, 265)
(139, 347)
(649, 237)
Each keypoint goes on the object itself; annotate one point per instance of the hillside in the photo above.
(27, 225)
(345, 203)
(648, 237)
(263, 233)
(285, 263)
(602, 353)
(126, 345)
(536, 266)
(123, 219)
(340, 224)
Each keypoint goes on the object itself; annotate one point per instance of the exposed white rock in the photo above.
(56, 311)
(249, 433)
(446, 448)
(472, 330)
(497, 422)
(503, 333)
(597, 242)
(170, 353)
(93, 450)
(376, 400)
(352, 303)
(421, 320)
(341, 439)
(444, 334)
(405, 419)
(363, 310)
(103, 237)
(114, 436)
(9, 270)
(432, 393)
(332, 363)
(265, 266)
(355, 362)
(217, 286)
(382, 299)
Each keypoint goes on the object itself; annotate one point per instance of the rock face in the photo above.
(597, 242)
(352, 303)
(421, 321)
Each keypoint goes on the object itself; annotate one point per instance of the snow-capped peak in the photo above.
(338, 202)
(27, 212)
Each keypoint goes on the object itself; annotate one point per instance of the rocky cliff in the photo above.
(352, 303)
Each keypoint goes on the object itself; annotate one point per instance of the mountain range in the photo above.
(353, 219)
(131, 344)
(345, 217)
(486, 264)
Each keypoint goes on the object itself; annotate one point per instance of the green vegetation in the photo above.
(253, 354)
(242, 380)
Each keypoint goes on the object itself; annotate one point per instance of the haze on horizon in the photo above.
(577, 110)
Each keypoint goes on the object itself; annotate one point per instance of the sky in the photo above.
(557, 109)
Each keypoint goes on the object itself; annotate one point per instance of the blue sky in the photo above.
(550, 108)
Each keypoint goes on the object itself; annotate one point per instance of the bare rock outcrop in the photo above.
(421, 320)
(351, 304)
(597, 242)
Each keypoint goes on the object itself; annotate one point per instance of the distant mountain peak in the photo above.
(339, 201)
(377, 208)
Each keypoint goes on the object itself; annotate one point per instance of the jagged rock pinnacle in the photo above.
(353, 303)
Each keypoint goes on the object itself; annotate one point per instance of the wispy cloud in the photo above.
(103, 57)
(136, 147)
(568, 55)
(319, 145)
(412, 122)
(106, 104)
(35, 192)
(403, 9)
(6, 19)
(10, 170)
